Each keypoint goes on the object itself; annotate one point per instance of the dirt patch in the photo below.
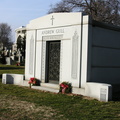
(13, 109)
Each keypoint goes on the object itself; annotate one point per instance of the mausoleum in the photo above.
(74, 48)
(71, 47)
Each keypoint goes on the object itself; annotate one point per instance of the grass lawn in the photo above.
(11, 69)
(22, 103)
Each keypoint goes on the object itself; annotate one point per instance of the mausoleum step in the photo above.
(25, 83)
(54, 88)
(45, 89)
(50, 85)
(44, 86)
(79, 91)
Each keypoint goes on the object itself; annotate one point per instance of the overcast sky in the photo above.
(18, 13)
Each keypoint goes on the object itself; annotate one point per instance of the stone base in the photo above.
(79, 91)
(46, 89)
(16, 79)
(100, 91)
(50, 85)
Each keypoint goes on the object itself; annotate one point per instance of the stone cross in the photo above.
(52, 19)
(19, 56)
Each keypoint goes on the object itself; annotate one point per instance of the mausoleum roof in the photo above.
(105, 25)
(55, 20)
(65, 19)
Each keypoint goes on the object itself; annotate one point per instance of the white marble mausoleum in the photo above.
(72, 47)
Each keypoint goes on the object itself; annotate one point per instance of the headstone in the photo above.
(5, 51)
(19, 55)
(8, 61)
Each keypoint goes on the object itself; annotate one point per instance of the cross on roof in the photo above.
(52, 19)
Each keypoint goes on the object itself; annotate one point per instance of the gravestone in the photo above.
(8, 61)
(19, 55)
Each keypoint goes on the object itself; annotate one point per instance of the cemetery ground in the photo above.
(23, 103)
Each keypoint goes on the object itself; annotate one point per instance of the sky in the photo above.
(18, 13)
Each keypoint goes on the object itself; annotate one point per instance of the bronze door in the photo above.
(53, 61)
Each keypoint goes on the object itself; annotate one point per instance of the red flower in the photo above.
(30, 82)
(63, 86)
(32, 79)
(66, 86)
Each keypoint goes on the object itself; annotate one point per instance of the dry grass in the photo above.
(13, 109)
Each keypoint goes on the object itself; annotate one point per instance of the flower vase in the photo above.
(63, 90)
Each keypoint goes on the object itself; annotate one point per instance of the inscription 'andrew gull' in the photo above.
(52, 31)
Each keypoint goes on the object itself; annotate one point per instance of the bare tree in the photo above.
(107, 11)
(5, 34)
(60, 7)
